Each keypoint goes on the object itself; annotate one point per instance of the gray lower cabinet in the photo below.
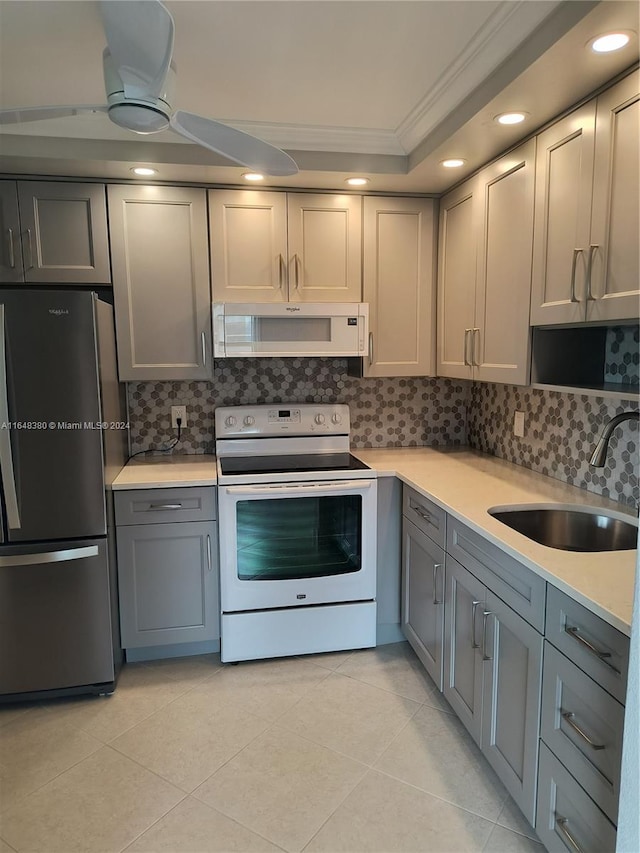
(54, 233)
(167, 566)
(423, 597)
(492, 679)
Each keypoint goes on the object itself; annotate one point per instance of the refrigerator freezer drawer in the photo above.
(55, 617)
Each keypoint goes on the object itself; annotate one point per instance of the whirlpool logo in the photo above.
(58, 312)
(292, 308)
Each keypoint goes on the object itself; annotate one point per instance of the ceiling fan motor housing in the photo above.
(137, 113)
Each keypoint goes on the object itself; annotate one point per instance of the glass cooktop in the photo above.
(294, 463)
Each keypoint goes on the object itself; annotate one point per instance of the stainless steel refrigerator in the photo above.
(62, 442)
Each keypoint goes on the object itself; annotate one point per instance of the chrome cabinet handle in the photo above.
(474, 363)
(165, 506)
(30, 248)
(6, 453)
(467, 332)
(370, 348)
(573, 632)
(280, 272)
(296, 272)
(485, 616)
(203, 344)
(590, 296)
(569, 717)
(209, 562)
(474, 610)
(50, 557)
(436, 566)
(574, 263)
(422, 512)
(12, 251)
(561, 824)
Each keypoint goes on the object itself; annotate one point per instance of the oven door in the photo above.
(289, 545)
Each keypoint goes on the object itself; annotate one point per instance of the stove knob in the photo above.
(319, 419)
(336, 419)
(230, 422)
(249, 420)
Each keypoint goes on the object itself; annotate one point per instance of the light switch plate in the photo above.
(518, 424)
(178, 412)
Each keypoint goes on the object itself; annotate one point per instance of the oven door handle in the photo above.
(288, 490)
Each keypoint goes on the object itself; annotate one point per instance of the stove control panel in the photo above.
(299, 419)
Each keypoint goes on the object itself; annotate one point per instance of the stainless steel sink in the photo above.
(570, 529)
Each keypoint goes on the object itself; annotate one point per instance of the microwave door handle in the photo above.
(6, 455)
(288, 490)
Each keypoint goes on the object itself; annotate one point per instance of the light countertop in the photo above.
(466, 484)
(159, 472)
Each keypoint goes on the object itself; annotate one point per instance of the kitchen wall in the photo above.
(560, 432)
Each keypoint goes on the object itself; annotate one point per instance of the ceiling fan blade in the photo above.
(234, 144)
(18, 115)
(140, 39)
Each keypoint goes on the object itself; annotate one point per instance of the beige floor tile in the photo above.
(329, 660)
(512, 818)
(383, 815)
(101, 804)
(434, 752)
(188, 740)
(195, 827)
(139, 692)
(282, 786)
(395, 668)
(9, 713)
(349, 716)
(504, 840)
(4, 847)
(34, 749)
(188, 670)
(264, 688)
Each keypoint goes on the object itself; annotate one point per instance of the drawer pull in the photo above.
(422, 512)
(573, 632)
(165, 506)
(561, 824)
(569, 717)
(474, 610)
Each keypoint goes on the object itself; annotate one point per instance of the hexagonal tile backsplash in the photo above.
(561, 429)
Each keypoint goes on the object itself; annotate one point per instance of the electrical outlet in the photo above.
(518, 424)
(178, 412)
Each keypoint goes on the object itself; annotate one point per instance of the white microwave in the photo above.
(290, 329)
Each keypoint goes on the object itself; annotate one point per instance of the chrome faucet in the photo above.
(600, 450)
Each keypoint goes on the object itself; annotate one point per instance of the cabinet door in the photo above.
(501, 342)
(161, 282)
(457, 280)
(248, 240)
(423, 597)
(398, 284)
(168, 583)
(325, 247)
(615, 224)
(64, 233)
(463, 613)
(10, 247)
(564, 171)
(512, 653)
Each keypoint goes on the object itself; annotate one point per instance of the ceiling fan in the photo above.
(140, 82)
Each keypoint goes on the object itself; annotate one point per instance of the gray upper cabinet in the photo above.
(60, 235)
(161, 282)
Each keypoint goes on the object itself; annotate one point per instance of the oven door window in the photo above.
(304, 537)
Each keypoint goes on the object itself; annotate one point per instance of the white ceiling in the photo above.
(387, 88)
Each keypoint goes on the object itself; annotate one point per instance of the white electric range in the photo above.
(297, 521)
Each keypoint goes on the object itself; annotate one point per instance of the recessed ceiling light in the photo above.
(452, 164)
(144, 170)
(609, 42)
(510, 118)
(357, 182)
(253, 176)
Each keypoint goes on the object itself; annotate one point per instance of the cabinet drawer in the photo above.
(589, 742)
(157, 506)
(426, 516)
(565, 812)
(598, 648)
(514, 583)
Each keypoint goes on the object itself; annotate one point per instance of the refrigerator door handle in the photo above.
(6, 456)
(49, 557)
